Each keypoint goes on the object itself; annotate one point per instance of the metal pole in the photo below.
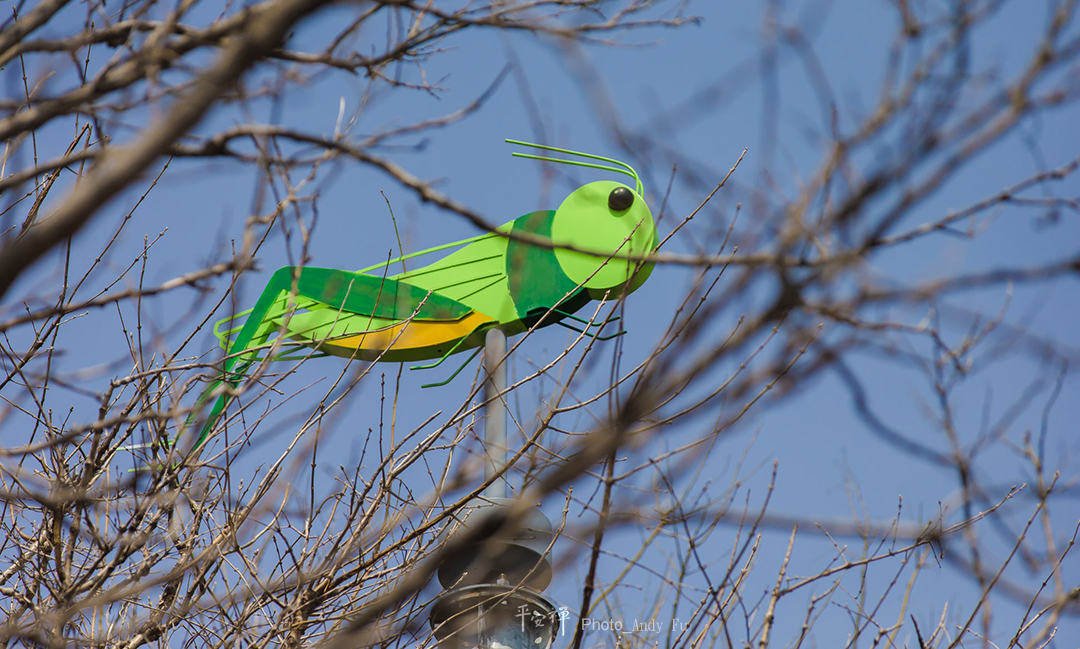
(495, 410)
(512, 566)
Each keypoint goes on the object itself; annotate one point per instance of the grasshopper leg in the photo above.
(256, 331)
(343, 290)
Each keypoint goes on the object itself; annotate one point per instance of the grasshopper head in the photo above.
(607, 228)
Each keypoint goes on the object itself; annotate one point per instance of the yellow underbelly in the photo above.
(409, 341)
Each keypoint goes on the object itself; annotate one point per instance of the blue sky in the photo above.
(830, 466)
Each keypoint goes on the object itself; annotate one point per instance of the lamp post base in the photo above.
(494, 616)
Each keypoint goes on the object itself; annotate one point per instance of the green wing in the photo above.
(347, 304)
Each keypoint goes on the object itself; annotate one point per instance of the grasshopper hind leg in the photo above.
(254, 333)
(341, 291)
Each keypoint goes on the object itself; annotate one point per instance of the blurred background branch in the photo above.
(842, 416)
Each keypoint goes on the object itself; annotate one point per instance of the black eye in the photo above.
(620, 199)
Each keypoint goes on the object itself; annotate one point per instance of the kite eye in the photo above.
(620, 199)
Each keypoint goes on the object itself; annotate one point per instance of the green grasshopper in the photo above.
(593, 244)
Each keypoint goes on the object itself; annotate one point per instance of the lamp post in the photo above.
(493, 598)
(495, 411)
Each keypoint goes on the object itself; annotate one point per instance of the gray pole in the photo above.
(512, 566)
(495, 410)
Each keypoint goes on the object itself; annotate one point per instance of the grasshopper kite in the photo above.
(592, 249)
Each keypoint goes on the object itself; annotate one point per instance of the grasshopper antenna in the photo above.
(622, 167)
